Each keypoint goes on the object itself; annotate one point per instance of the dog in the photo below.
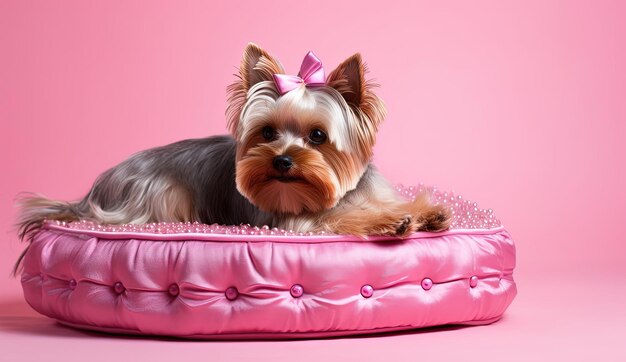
(298, 157)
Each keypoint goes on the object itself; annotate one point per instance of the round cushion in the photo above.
(209, 281)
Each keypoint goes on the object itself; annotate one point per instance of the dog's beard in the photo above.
(309, 186)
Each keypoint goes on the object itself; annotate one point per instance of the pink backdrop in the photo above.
(520, 107)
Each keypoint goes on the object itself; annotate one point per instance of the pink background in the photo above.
(520, 107)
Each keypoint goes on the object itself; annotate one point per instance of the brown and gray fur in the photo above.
(329, 185)
(190, 180)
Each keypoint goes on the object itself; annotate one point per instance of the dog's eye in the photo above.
(268, 133)
(317, 136)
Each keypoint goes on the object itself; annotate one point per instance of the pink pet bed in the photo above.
(211, 281)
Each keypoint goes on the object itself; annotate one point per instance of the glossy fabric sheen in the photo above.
(134, 284)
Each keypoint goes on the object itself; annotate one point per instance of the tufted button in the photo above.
(296, 290)
(231, 293)
(119, 288)
(427, 283)
(367, 291)
(43, 277)
(173, 289)
(73, 284)
(473, 281)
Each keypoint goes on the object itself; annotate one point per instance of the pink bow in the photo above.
(311, 73)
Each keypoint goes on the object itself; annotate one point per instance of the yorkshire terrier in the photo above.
(298, 158)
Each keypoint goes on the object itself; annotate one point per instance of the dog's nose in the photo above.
(283, 162)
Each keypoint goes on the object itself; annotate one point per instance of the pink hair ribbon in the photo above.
(311, 73)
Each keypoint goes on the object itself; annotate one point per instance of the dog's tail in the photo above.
(34, 210)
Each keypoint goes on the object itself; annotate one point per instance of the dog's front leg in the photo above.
(386, 217)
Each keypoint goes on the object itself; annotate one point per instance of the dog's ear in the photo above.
(349, 80)
(256, 66)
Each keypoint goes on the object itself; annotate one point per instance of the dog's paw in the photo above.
(403, 227)
(367, 223)
(436, 218)
(393, 224)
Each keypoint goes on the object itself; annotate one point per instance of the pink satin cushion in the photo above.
(212, 281)
(207, 285)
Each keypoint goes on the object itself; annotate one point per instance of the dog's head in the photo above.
(301, 150)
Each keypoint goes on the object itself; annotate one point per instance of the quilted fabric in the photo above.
(232, 285)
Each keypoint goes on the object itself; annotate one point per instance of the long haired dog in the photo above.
(298, 159)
